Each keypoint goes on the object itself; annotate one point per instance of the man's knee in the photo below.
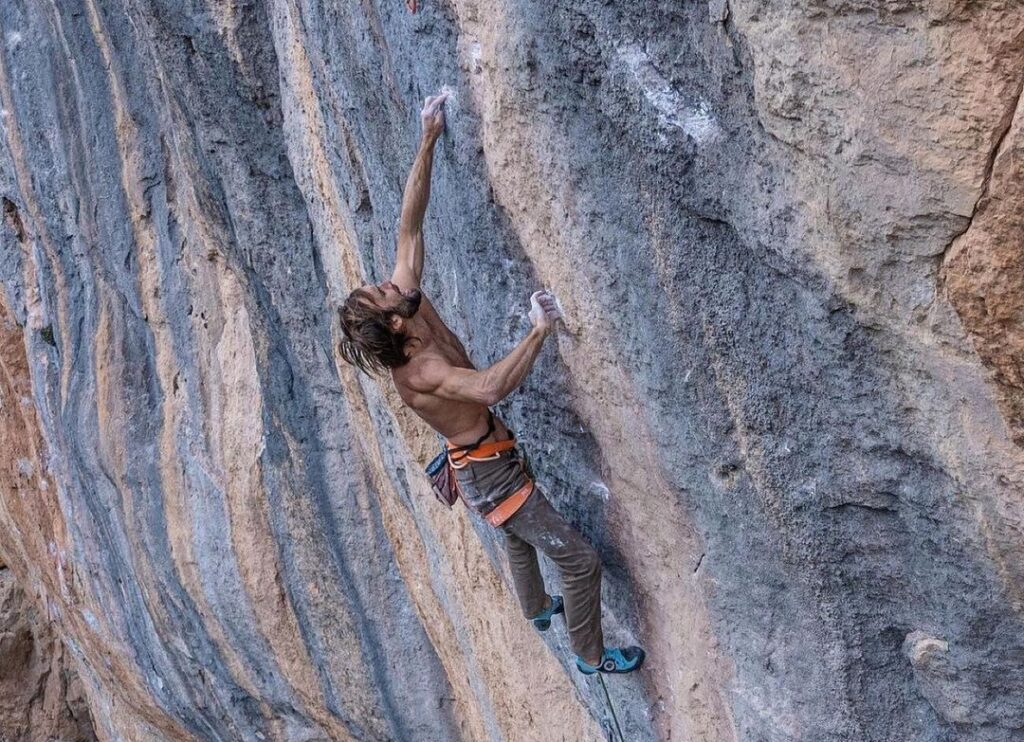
(588, 563)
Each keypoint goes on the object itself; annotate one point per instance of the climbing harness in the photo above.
(510, 505)
(452, 457)
(458, 453)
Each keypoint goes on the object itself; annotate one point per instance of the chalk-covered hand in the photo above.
(432, 116)
(544, 311)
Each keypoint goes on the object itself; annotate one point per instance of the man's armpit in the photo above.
(428, 377)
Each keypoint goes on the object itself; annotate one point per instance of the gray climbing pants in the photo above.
(535, 526)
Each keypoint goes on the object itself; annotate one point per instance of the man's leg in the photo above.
(538, 524)
(522, 559)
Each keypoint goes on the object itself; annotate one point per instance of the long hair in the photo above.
(369, 343)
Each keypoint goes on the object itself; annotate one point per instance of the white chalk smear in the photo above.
(561, 312)
(555, 543)
(601, 490)
(451, 104)
(695, 119)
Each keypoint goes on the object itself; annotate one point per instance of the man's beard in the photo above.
(409, 305)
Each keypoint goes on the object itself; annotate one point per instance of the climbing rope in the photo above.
(611, 707)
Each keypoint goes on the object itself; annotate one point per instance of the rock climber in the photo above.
(392, 326)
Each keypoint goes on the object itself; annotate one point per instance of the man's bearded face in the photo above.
(409, 304)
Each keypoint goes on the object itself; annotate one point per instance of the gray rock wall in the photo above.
(784, 407)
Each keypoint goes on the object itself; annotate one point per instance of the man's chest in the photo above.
(446, 343)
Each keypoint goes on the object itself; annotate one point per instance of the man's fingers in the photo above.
(550, 304)
(436, 103)
(546, 300)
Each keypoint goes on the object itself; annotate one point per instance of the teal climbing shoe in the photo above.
(542, 621)
(616, 660)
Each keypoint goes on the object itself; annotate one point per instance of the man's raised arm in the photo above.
(409, 262)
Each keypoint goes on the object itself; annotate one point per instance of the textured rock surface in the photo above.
(41, 697)
(787, 407)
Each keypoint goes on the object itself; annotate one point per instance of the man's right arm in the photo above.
(491, 385)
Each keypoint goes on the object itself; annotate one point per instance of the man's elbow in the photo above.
(491, 392)
(491, 398)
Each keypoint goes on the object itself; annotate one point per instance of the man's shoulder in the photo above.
(422, 372)
(428, 308)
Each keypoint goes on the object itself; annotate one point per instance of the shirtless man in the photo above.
(393, 326)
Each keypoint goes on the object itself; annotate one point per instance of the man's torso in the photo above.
(459, 422)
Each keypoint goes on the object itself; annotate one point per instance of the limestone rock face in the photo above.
(786, 407)
(41, 698)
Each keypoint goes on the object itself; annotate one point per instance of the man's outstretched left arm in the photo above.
(409, 261)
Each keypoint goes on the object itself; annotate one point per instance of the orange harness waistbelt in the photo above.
(483, 452)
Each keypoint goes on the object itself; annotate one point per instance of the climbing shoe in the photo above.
(542, 621)
(615, 659)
